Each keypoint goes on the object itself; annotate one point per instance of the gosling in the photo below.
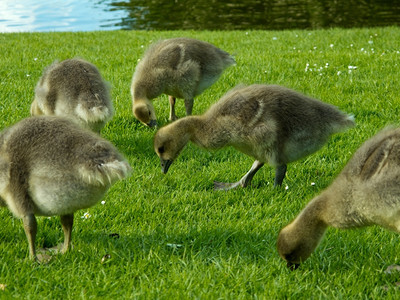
(268, 122)
(50, 166)
(179, 67)
(74, 89)
(365, 193)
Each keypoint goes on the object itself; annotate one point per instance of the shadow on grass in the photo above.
(200, 245)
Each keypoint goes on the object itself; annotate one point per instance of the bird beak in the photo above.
(152, 123)
(165, 165)
(292, 266)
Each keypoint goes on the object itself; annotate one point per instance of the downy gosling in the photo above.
(50, 166)
(178, 67)
(271, 123)
(74, 89)
(365, 193)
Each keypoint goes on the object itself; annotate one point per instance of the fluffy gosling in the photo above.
(74, 89)
(178, 67)
(50, 166)
(365, 193)
(270, 123)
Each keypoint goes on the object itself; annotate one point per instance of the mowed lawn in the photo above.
(159, 236)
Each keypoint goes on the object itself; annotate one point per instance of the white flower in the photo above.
(286, 187)
(35, 59)
(274, 38)
(338, 73)
(103, 202)
(86, 216)
(174, 245)
(312, 183)
(352, 67)
(331, 45)
(370, 42)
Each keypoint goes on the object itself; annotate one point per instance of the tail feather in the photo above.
(105, 173)
(230, 61)
(93, 114)
(347, 122)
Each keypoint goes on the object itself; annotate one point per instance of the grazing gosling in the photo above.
(50, 166)
(179, 67)
(74, 89)
(268, 122)
(365, 193)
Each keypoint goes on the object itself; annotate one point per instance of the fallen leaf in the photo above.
(386, 287)
(392, 268)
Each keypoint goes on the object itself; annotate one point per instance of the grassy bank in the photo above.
(177, 237)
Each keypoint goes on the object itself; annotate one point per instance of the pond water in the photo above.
(81, 15)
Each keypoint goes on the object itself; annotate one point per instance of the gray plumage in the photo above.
(273, 124)
(50, 166)
(74, 89)
(178, 67)
(365, 193)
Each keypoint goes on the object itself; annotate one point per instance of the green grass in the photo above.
(177, 237)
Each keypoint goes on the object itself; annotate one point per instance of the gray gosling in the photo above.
(365, 193)
(74, 89)
(50, 166)
(178, 67)
(268, 122)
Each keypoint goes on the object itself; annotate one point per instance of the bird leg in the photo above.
(30, 227)
(67, 221)
(243, 182)
(172, 115)
(189, 106)
(279, 175)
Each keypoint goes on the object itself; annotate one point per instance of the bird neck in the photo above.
(195, 129)
(311, 219)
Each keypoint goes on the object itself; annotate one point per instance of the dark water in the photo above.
(81, 15)
(256, 14)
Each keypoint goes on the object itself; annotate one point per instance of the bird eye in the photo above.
(161, 149)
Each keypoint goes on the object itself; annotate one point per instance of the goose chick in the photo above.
(179, 67)
(74, 89)
(50, 166)
(268, 122)
(365, 193)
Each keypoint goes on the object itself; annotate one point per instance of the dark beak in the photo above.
(165, 165)
(292, 266)
(152, 123)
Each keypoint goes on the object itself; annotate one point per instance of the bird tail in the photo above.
(346, 122)
(92, 108)
(105, 174)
